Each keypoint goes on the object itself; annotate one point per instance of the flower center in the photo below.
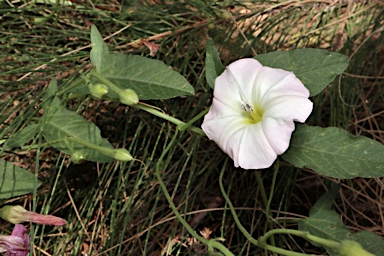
(253, 114)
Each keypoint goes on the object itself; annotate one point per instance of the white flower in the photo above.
(253, 112)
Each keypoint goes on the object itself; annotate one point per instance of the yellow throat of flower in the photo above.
(252, 114)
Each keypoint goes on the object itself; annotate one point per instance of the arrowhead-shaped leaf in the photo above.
(213, 65)
(15, 181)
(23, 136)
(335, 153)
(325, 202)
(314, 67)
(326, 223)
(149, 78)
(64, 123)
(99, 49)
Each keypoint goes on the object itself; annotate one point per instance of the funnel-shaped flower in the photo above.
(16, 244)
(253, 112)
(17, 214)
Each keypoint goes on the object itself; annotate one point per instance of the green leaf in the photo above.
(314, 67)
(149, 78)
(23, 136)
(51, 90)
(15, 181)
(213, 65)
(51, 102)
(99, 50)
(325, 223)
(325, 201)
(370, 241)
(65, 123)
(335, 153)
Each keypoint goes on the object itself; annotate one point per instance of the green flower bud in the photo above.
(98, 90)
(122, 154)
(77, 157)
(225, 15)
(39, 20)
(129, 97)
(352, 248)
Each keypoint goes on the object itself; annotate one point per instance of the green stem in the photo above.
(239, 225)
(107, 151)
(268, 223)
(181, 125)
(275, 171)
(303, 234)
(261, 187)
(111, 85)
(169, 118)
(73, 85)
(263, 244)
(29, 147)
(194, 119)
(210, 243)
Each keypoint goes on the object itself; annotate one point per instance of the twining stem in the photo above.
(111, 85)
(302, 234)
(261, 187)
(194, 119)
(262, 240)
(37, 146)
(268, 223)
(229, 202)
(106, 151)
(70, 87)
(275, 171)
(210, 243)
(180, 124)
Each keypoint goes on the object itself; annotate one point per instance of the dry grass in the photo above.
(118, 209)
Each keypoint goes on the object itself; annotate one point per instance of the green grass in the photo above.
(119, 208)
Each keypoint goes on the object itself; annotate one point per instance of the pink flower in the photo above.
(16, 244)
(17, 214)
(253, 112)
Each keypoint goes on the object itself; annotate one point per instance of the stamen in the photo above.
(246, 107)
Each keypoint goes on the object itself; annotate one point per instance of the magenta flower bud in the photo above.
(17, 214)
(16, 244)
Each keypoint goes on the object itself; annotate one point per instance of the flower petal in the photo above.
(289, 107)
(219, 109)
(234, 86)
(278, 133)
(220, 130)
(16, 244)
(253, 150)
(273, 82)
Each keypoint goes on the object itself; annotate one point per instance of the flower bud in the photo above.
(352, 248)
(77, 157)
(16, 244)
(98, 90)
(17, 214)
(129, 97)
(122, 154)
(39, 20)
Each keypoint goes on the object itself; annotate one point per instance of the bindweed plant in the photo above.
(252, 119)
